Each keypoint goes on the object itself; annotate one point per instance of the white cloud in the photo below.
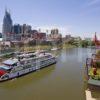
(93, 2)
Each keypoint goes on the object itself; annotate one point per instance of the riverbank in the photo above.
(44, 47)
(67, 46)
(34, 48)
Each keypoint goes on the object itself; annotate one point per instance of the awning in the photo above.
(5, 67)
(10, 61)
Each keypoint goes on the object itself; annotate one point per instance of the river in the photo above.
(62, 81)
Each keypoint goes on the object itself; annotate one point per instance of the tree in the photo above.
(84, 43)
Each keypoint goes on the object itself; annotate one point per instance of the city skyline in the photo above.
(80, 18)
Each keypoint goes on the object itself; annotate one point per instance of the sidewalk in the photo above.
(88, 95)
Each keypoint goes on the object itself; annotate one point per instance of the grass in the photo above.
(44, 47)
(65, 46)
(98, 52)
(34, 48)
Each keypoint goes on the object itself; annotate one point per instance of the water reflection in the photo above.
(27, 79)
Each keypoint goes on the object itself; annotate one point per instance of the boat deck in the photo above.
(94, 82)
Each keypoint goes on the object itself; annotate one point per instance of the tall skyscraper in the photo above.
(16, 29)
(7, 24)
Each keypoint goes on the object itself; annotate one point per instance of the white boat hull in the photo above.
(26, 71)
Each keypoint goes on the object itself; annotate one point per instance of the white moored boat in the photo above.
(24, 64)
(54, 49)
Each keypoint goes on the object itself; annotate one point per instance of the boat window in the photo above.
(49, 56)
(33, 60)
(32, 55)
(3, 69)
(22, 62)
(14, 64)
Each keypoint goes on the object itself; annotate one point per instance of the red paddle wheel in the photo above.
(2, 72)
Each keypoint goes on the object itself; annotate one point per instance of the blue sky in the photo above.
(77, 17)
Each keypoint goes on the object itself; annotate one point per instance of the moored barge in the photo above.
(93, 65)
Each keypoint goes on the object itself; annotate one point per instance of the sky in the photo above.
(76, 17)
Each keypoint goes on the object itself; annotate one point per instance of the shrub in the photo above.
(97, 64)
(98, 52)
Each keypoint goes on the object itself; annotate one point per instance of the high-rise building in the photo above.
(54, 31)
(0, 35)
(25, 29)
(16, 29)
(54, 36)
(7, 25)
(16, 32)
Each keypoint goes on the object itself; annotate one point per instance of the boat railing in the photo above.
(88, 61)
(5, 76)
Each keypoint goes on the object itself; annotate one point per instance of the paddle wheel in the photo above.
(2, 72)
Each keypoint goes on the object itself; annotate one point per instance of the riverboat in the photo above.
(25, 63)
(93, 66)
